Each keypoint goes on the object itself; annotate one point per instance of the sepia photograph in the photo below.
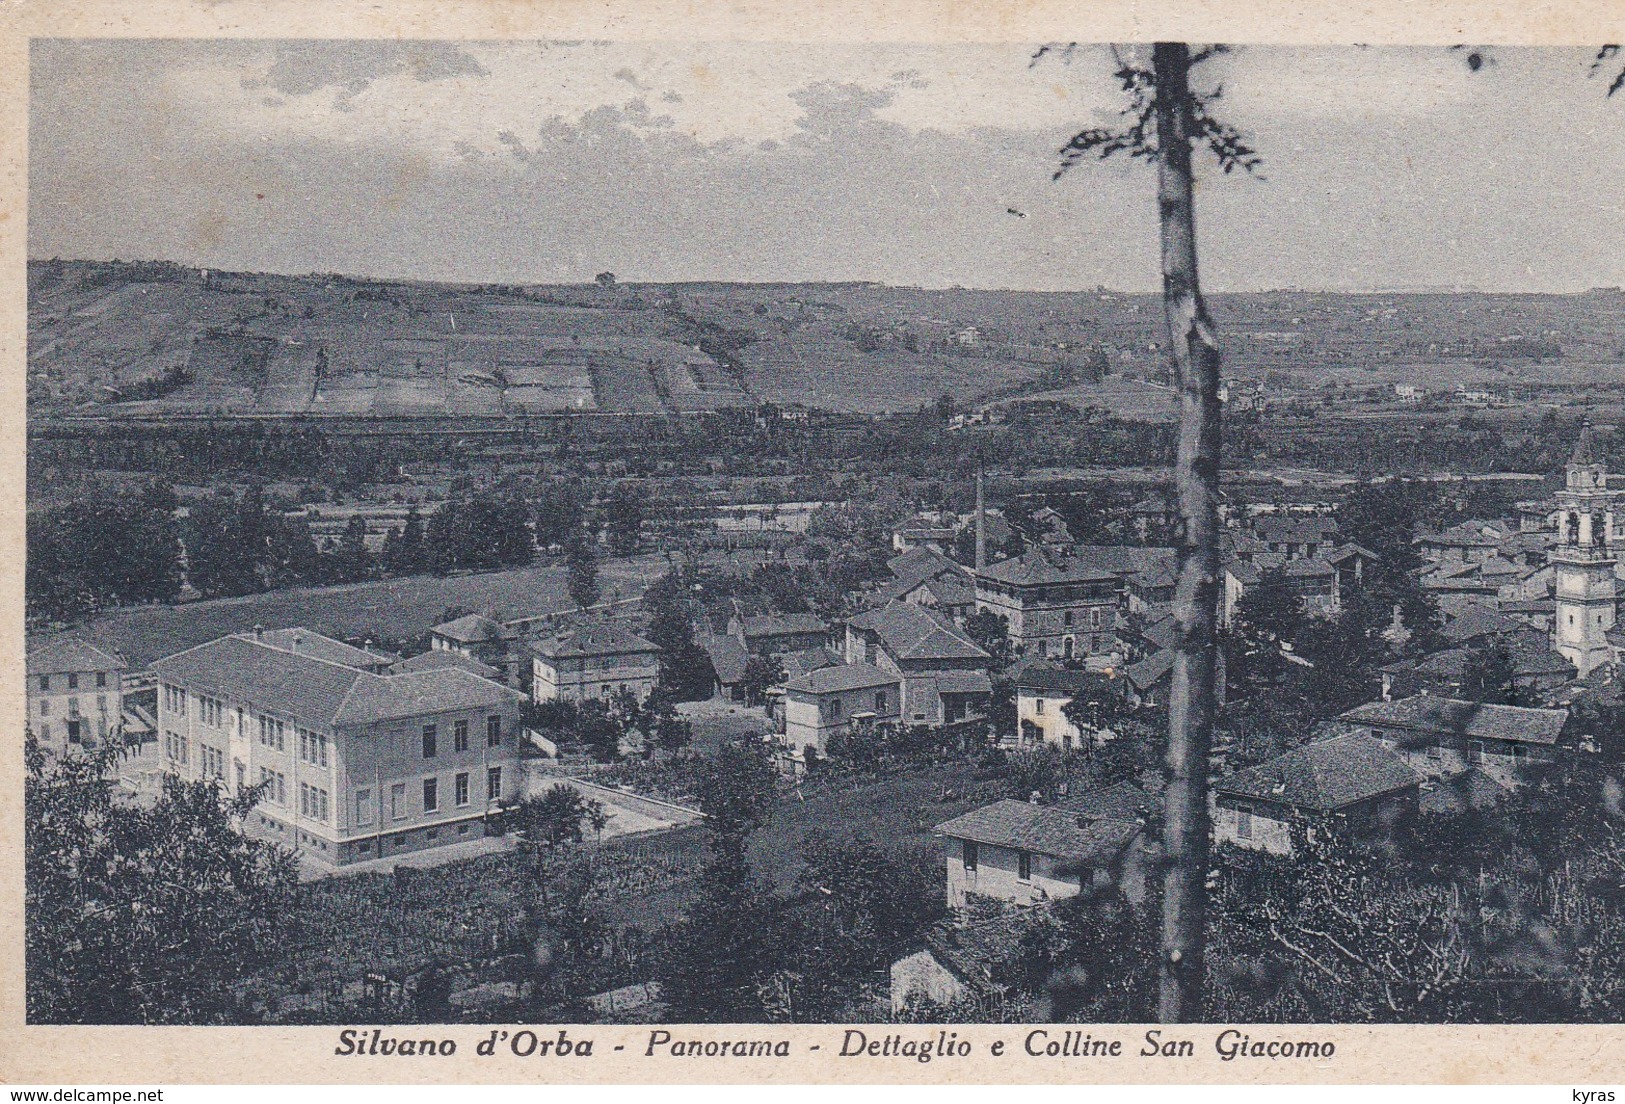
(565, 533)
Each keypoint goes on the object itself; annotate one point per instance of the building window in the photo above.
(45, 707)
(1244, 822)
(460, 786)
(1038, 707)
(363, 807)
(101, 680)
(459, 736)
(1520, 754)
(73, 682)
(45, 733)
(431, 795)
(493, 783)
(45, 683)
(971, 855)
(880, 702)
(276, 786)
(1475, 751)
(1435, 751)
(428, 741)
(493, 732)
(397, 801)
(1024, 866)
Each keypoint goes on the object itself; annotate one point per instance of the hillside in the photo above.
(150, 337)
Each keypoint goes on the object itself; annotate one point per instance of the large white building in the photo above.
(355, 764)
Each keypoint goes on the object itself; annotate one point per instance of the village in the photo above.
(991, 699)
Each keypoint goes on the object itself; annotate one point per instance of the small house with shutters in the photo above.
(831, 700)
(1025, 853)
(1441, 737)
(1355, 779)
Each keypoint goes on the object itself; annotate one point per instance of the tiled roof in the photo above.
(1150, 670)
(1325, 776)
(1479, 622)
(472, 628)
(320, 693)
(1295, 530)
(783, 623)
(435, 659)
(1425, 713)
(1045, 676)
(592, 640)
(71, 655)
(1035, 568)
(1345, 551)
(375, 698)
(1119, 801)
(1045, 830)
(324, 647)
(963, 682)
(308, 689)
(728, 657)
(918, 564)
(843, 677)
(912, 633)
(807, 660)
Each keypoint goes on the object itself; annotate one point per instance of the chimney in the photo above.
(259, 631)
(298, 639)
(981, 520)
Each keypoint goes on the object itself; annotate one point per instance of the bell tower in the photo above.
(1583, 562)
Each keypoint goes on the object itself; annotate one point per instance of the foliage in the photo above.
(581, 564)
(103, 550)
(990, 632)
(761, 673)
(624, 518)
(142, 915)
(480, 532)
(721, 954)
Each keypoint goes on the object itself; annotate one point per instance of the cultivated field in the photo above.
(159, 338)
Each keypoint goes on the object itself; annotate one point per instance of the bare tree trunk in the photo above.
(1191, 699)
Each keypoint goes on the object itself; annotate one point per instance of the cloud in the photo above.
(302, 68)
(547, 161)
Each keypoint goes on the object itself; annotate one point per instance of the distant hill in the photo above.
(153, 337)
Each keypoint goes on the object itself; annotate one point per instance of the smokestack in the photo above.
(981, 519)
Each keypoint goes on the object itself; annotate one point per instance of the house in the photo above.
(831, 700)
(75, 696)
(1022, 852)
(1056, 605)
(962, 960)
(1354, 778)
(774, 634)
(1296, 537)
(1042, 694)
(473, 635)
(1440, 737)
(952, 594)
(593, 661)
(355, 764)
(1468, 542)
(944, 673)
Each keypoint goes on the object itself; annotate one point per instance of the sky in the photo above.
(514, 162)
